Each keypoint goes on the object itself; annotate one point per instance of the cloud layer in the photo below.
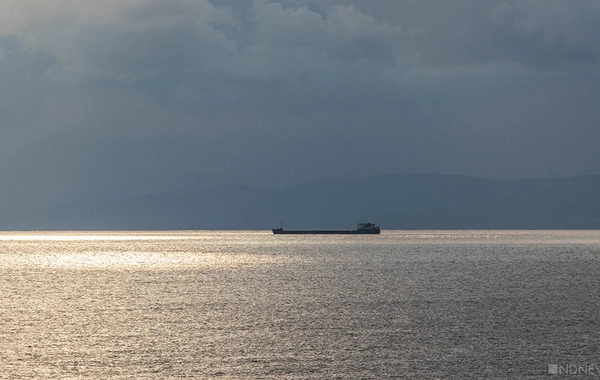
(279, 92)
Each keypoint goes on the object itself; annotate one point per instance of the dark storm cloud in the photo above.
(285, 91)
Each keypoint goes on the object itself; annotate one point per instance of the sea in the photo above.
(253, 305)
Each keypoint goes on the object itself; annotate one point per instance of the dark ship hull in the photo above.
(280, 231)
(363, 229)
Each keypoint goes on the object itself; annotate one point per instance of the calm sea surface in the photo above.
(251, 305)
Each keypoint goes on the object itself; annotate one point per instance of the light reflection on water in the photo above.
(234, 304)
(147, 250)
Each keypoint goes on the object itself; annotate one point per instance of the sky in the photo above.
(120, 97)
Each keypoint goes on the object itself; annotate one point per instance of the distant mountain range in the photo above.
(403, 201)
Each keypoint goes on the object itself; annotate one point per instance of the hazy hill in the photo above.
(411, 201)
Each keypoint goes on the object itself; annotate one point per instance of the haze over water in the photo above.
(247, 305)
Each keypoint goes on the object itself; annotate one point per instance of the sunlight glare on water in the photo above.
(121, 250)
(247, 305)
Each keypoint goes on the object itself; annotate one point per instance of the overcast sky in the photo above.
(286, 91)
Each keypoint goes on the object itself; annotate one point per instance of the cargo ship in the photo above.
(362, 229)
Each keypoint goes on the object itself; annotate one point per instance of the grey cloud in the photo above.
(263, 39)
(152, 38)
(556, 24)
(279, 92)
(553, 32)
(133, 55)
